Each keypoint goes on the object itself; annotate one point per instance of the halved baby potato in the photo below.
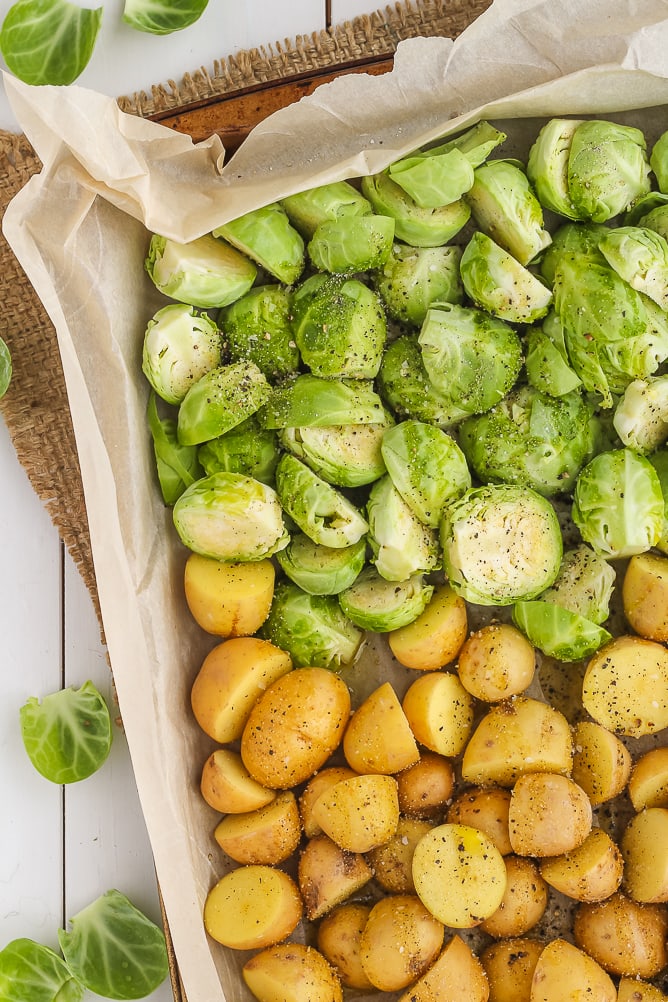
(329, 875)
(392, 862)
(252, 907)
(645, 595)
(322, 781)
(565, 972)
(359, 813)
(440, 712)
(485, 808)
(400, 940)
(496, 662)
(456, 974)
(509, 965)
(623, 686)
(524, 901)
(228, 599)
(339, 936)
(648, 783)
(426, 787)
(625, 937)
(292, 972)
(644, 846)
(228, 787)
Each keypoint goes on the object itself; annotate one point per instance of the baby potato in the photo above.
(623, 683)
(456, 974)
(601, 763)
(292, 972)
(485, 808)
(294, 727)
(626, 938)
(425, 788)
(645, 595)
(509, 965)
(592, 872)
(339, 936)
(252, 907)
(548, 815)
(634, 990)
(228, 787)
(378, 737)
(644, 846)
(316, 785)
(523, 903)
(433, 639)
(459, 875)
(440, 712)
(392, 862)
(648, 783)
(496, 662)
(519, 736)
(268, 835)
(231, 678)
(328, 875)
(565, 972)
(228, 599)
(399, 942)
(359, 813)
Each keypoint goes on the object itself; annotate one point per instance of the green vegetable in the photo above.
(308, 209)
(498, 283)
(221, 400)
(5, 368)
(608, 169)
(414, 278)
(177, 465)
(162, 17)
(641, 415)
(267, 237)
(322, 512)
(413, 224)
(321, 570)
(659, 461)
(206, 272)
(313, 402)
(659, 161)
(351, 243)
(557, 632)
(401, 544)
(572, 238)
(30, 972)
(345, 455)
(547, 166)
(68, 734)
(584, 584)
(434, 179)
(656, 219)
(49, 41)
(406, 387)
(180, 346)
(548, 368)
(639, 255)
(313, 629)
(373, 603)
(247, 448)
(257, 329)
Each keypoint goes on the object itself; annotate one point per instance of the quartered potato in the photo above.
(268, 835)
(509, 965)
(378, 737)
(564, 972)
(496, 662)
(292, 972)
(645, 595)
(591, 872)
(359, 813)
(634, 990)
(252, 907)
(549, 815)
(623, 686)
(328, 875)
(485, 808)
(316, 785)
(601, 763)
(523, 903)
(440, 712)
(644, 846)
(339, 936)
(625, 937)
(648, 784)
(400, 940)
(455, 975)
(426, 787)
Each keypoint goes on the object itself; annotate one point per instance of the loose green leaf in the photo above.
(49, 41)
(5, 368)
(114, 949)
(30, 972)
(177, 465)
(68, 735)
(162, 17)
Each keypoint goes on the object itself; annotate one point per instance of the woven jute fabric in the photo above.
(35, 407)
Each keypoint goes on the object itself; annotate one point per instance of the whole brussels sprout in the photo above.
(257, 329)
(220, 400)
(309, 401)
(246, 448)
(322, 512)
(547, 166)
(308, 209)
(345, 455)
(412, 224)
(405, 385)
(608, 169)
(312, 628)
(321, 570)
(498, 283)
(373, 603)
(658, 161)
(266, 236)
(572, 238)
(414, 278)
(206, 272)
(401, 544)
(180, 345)
(351, 243)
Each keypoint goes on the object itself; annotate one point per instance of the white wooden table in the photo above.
(60, 848)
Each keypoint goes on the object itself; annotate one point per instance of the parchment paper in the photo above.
(80, 230)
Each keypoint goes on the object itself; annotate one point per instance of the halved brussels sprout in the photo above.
(558, 632)
(641, 415)
(247, 449)
(206, 272)
(373, 603)
(267, 237)
(257, 329)
(501, 544)
(321, 570)
(498, 283)
(313, 629)
(401, 544)
(426, 466)
(177, 465)
(584, 584)
(618, 505)
(547, 166)
(414, 225)
(229, 516)
(180, 346)
(345, 455)
(351, 243)
(547, 365)
(608, 169)
(307, 209)
(656, 219)
(658, 161)
(476, 143)
(308, 401)
(572, 238)
(322, 512)
(659, 461)
(414, 278)
(221, 400)
(639, 255)
(433, 179)
(644, 206)
(405, 385)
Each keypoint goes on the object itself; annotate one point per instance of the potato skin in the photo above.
(523, 903)
(440, 712)
(645, 595)
(228, 787)
(496, 662)
(322, 781)
(268, 835)
(339, 936)
(392, 861)
(565, 972)
(626, 938)
(592, 872)
(433, 639)
(601, 763)
(426, 787)
(509, 965)
(292, 972)
(456, 974)
(549, 815)
(359, 813)
(485, 808)
(328, 875)
(228, 599)
(378, 737)
(644, 846)
(399, 942)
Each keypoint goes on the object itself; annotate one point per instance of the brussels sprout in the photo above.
(373, 603)
(469, 355)
(414, 278)
(639, 255)
(322, 512)
(547, 166)
(206, 272)
(659, 461)
(641, 415)
(345, 455)
(572, 238)
(180, 346)
(339, 327)
(311, 628)
(643, 206)
(434, 179)
(476, 143)
(405, 385)
(266, 236)
(312, 402)
(584, 584)
(501, 544)
(547, 365)
(656, 219)
(505, 207)
(229, 516)
(257, 329)
(558, 632)
(426, 466)
(498, 283)
(321, 570)
(221, 400)
(247, 449)
(608, 169)
(531, 438)
(351, 243)
(307, 209)
(618, 505)
(659, 161)
(35, 973)
(5, 367)
(412, 224)
(401, 544)
(177, 465)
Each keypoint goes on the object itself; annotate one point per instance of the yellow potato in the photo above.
(268, 835)
(645, 595)
(496, 662)
(634, 990)
(523, 903)
(399, 942)
(315, 786)
(509, 965)
(459, 875)
(292, 972)
(392, 862)
(339, 936)
(252, 907)
(644, 846)
(228, 787)
(378, 737)
(564, 972)
(601, 763)
(359, 813)
(549, 815)
(485, 808)
(623, 684)
(623, 936)
(440, 712)
(592, 872)
(294, 727)
(455, 975)
(648, 784)
(519, 736)
(328, 875)
(228, 599)
(433, 639)
(231, 678)
(426, 787)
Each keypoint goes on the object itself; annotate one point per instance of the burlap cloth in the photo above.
(35, 407)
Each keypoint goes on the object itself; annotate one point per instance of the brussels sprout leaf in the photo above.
(177, 465)
(34, 973)
(49, 41)
(162, 17)
(5, 368)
